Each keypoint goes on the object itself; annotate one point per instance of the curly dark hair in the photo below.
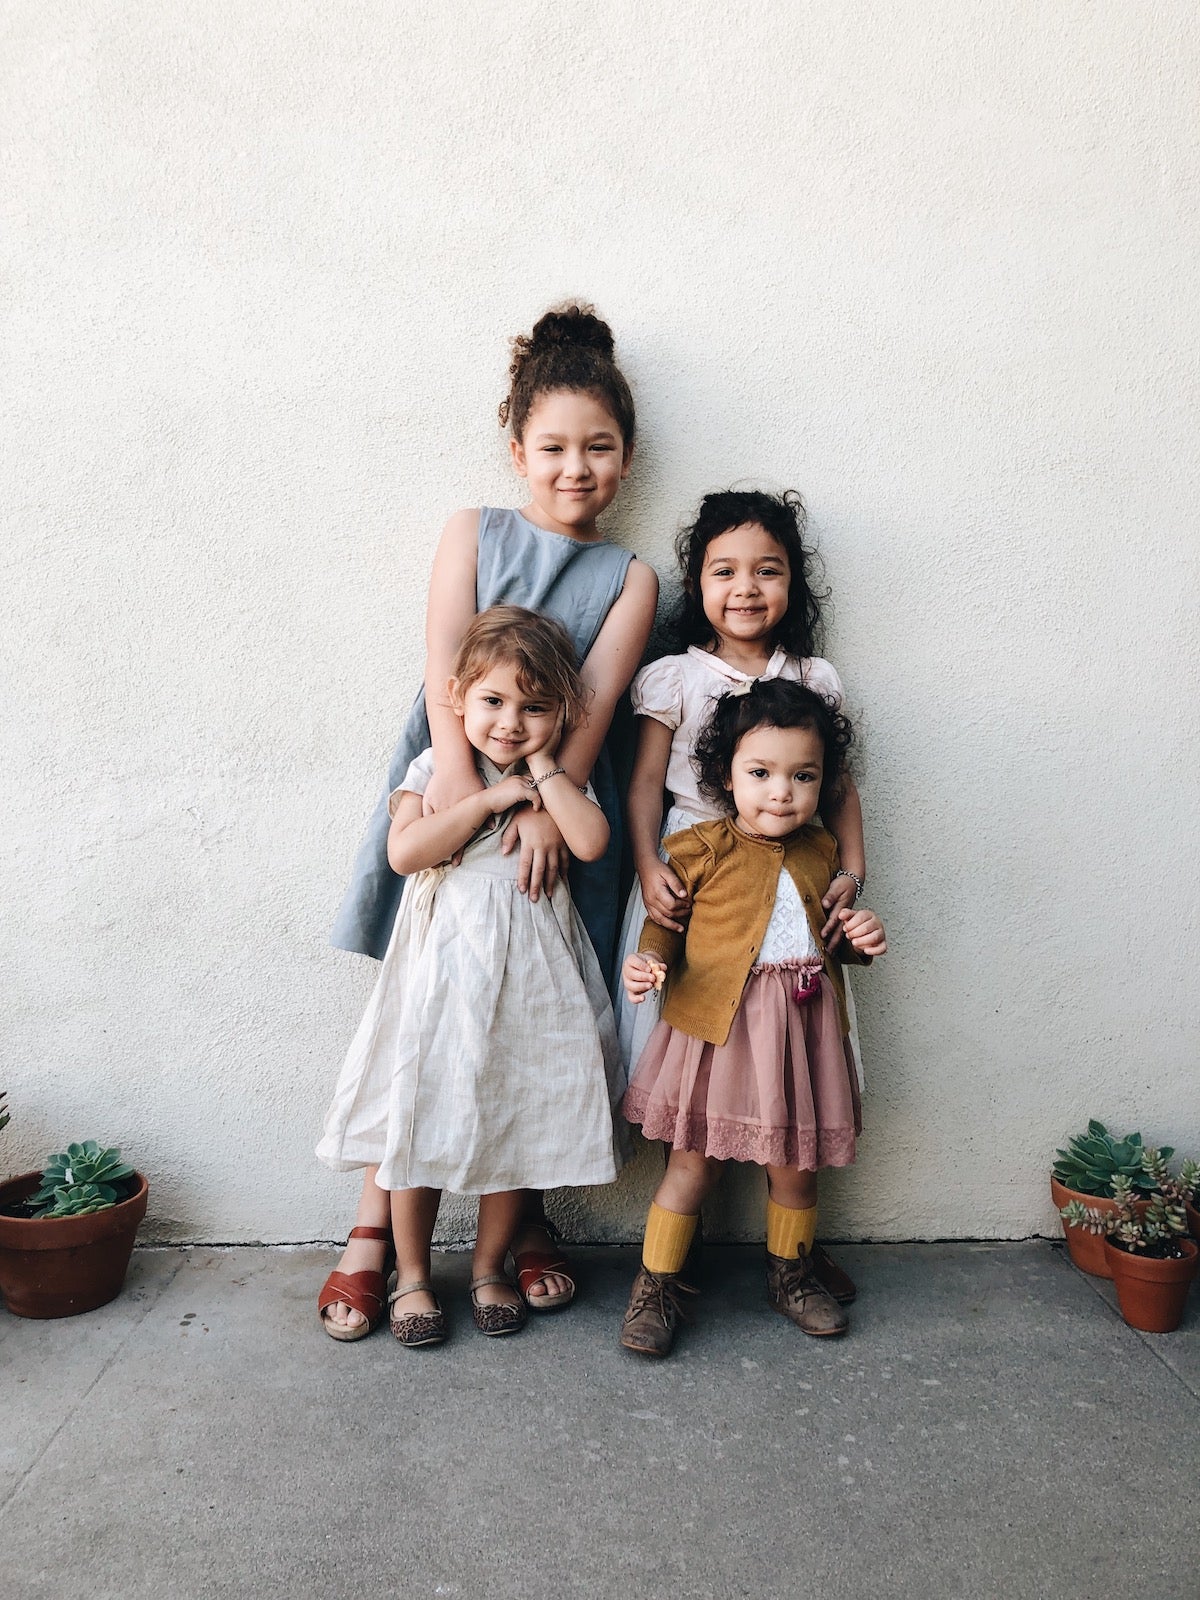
(570, 348)
(771, 703)
(784, 518)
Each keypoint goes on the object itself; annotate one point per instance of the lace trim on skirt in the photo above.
(806, 1149)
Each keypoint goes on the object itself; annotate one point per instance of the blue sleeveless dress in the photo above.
(523, 565)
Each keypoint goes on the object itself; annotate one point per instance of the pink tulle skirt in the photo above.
(781, 1091)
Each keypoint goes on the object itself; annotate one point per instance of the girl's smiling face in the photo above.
(744, 584)
(775, 779)
(500, 719)
(574, 459)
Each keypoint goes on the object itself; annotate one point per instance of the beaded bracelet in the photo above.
(844, 872)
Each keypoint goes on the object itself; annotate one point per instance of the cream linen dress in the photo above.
(487, 1059)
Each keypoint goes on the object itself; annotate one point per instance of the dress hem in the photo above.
(726, 1140)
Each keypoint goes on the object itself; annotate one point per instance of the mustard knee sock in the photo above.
(668, 1238)
(790, 1233)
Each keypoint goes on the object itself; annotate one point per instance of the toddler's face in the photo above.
(500, 720)
(775, 779)
(744, 584)
(573, 457)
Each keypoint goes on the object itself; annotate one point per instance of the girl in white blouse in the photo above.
(748, 611)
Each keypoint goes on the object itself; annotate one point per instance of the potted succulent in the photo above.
(1150, 1258)
(1189, 1182)
(1087, 1171)
(66, 1233)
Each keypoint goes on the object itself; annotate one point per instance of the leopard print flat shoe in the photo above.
(416, 1328)
(496, 1321)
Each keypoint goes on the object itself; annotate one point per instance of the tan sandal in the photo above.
(495, 1321)
(415, 1328)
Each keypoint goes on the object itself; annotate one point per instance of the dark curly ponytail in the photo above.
(570, 348)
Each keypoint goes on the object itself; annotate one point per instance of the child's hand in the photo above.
(550, 748)
(864, 931)
(641, 973)
(840, 896)
(666, 900)
(509, 792)
(544, 856)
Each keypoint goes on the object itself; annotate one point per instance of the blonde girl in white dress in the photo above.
(486, 1062)
(748, 611)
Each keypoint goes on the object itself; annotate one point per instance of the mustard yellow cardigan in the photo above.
(732, 878)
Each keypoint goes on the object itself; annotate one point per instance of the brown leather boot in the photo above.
(794, 1290)
(833, 1279)
(653, 1311)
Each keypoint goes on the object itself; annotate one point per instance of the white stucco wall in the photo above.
(932, 263)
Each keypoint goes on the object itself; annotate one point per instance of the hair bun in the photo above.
(571, 326)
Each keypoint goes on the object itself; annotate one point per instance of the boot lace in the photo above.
(660, 1293)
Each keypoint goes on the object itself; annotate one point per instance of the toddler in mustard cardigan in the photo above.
(750, 1059)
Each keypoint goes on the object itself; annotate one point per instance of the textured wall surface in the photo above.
(932, 264)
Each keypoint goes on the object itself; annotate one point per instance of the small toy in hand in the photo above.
(658, 972)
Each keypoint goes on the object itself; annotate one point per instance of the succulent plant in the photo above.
(1151, 1234)
(3, 1110)
(1094, 1160)
(78, 1200)
(80, 1180)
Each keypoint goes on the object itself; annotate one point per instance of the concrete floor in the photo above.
(989, 1428)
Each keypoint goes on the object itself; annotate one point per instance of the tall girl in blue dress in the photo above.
(571, 420)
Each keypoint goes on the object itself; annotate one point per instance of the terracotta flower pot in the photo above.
(60, 1266)
(1085, 1249)
(1151, 1293)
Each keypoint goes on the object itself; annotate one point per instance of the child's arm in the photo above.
(845, 823)
(611, 663)
(448, 612)
(581, 822)
(417, 841)
(663, 895)
(659, 948)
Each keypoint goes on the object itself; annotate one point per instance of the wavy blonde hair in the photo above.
(540, 650)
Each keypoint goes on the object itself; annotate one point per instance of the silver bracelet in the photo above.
(536, 783)
(844, 872)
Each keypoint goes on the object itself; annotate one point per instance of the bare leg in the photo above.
(414, 1213)
(795, 1190)
(499, 1218)
(363, 1255)
(687, 1182)
(531, 1235)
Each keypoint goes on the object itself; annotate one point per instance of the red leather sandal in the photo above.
(533, 1265)
(364, 1292)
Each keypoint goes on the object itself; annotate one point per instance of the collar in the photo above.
(806, 831)
(734, 674)
(491, 773)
